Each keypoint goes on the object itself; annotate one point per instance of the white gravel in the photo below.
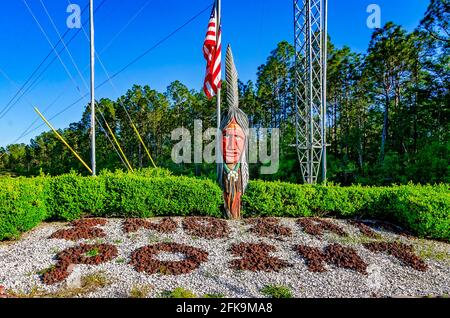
(20, 261)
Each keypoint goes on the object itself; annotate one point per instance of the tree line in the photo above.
(388, 114)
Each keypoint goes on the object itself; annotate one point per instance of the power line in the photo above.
(48, 40)
(129, 64)
(12, 82)
(126, 25)
(119, 148)
(34, 84)
(32, 74)
(120, 99)
(64, 44)
(37, 118)
(112, 143)
(16, 85)
(62, 62)
(157, 44)
(36, 81)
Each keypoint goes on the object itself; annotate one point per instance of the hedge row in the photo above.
(424, 210)
(24, 203)
(71, 197)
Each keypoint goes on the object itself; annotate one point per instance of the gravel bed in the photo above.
(21, 261)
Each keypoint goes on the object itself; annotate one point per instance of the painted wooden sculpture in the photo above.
(233, 171)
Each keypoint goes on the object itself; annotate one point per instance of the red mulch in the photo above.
(268, 227)
(89, 222)
(166, 225)
(364, 229)
(403, 252)
(336, 254)
(76, 255)
(314, 257)
(144, 259)
(206, 227)
(81, 229)
(256, 257)
(316, 227)
(78, 233)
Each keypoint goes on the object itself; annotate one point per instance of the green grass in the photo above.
(92, 253)
(46, 270)
(276, 291)
(431, 250)
(140, 291)
(89, 283)
(153, 238)
(178, 292)
(55, 250)
(353, 240)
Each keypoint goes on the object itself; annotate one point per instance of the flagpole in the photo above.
(218, 26)
(93, 163)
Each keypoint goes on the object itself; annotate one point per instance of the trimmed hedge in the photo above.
(126, 195)
(170, 196)
(22, 205)
(424, 210)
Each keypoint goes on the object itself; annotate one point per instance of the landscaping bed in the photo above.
(203, 257)
(423, 211)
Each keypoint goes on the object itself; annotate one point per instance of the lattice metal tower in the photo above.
(310, 20)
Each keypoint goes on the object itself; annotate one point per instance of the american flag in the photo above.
(212, 51)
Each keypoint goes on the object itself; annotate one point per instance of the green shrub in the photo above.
(22, 205)
(178, 292)
(274, 291)
(278, 199)
(71, 196)
(152, 172)
(140, 291)
(134, 196)
(424, 210)
(131, 195)
(143, 172)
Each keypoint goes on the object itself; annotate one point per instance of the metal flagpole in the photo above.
(91, 7)
(218, 26)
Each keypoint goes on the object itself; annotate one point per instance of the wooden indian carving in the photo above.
(233, 171)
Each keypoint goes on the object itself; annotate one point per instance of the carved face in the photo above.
(233, 143)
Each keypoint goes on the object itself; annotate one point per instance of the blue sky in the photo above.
(253, 27)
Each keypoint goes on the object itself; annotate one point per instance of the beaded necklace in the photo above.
(232, 174)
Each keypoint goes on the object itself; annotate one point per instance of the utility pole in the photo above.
(93, 163)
